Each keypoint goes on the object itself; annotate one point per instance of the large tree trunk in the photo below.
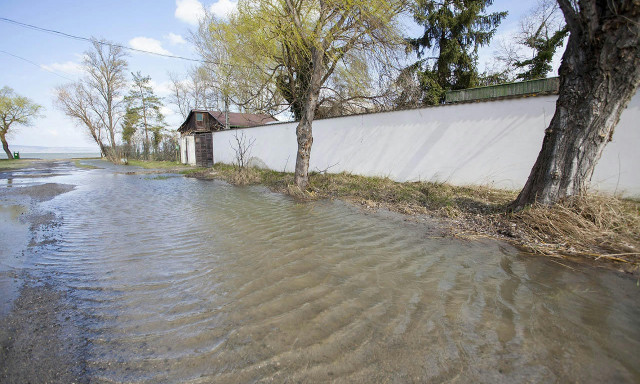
(600, 72)
(5, 146)
(303, 131)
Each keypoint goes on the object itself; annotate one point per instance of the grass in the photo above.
(594, 227)
(153, 164)
(192, 171)
(86, 166)
(167, 166)
(14, 164)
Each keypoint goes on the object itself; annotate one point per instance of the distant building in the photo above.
(196, 140)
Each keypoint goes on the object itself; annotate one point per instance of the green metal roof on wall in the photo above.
(539, 86)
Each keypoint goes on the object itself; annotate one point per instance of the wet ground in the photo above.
(113, 277)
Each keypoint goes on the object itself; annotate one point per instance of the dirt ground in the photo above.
(38, 341)
(39, 338)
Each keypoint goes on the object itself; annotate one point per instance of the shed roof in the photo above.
(236, 120)
(243, 119)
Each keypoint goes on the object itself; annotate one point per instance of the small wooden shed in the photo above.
(196, 137)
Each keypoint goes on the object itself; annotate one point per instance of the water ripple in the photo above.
(183, 280)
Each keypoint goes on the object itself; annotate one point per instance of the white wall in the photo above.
(188, 150)
(489, 143)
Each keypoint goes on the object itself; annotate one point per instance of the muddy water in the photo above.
(180, 280)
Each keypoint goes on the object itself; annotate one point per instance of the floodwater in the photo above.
(181, 280)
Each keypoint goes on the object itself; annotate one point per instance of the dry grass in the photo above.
(244, 176)
(597, 227)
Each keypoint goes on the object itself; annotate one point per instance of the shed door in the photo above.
(204, 149)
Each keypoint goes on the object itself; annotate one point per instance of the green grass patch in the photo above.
(152, 164)
(85, 166)
(380, 190)
(192, 171)
(15, 164)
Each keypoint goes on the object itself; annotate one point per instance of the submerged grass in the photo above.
(86, 166)
(594, 226)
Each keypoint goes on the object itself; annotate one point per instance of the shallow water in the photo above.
(181, 280)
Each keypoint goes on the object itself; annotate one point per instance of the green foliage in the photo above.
(493, 78)
(528, 53)
(16, 109)
(264, 52)
(545, 47)
(143, 114)
(130, 124)
(453, 30)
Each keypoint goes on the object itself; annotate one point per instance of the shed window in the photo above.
(199, 116)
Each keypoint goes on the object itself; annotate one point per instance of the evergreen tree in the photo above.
(529, 53)
(544, 47)
(543, 31)
(455, 29)
(143, 102)
(130, 125)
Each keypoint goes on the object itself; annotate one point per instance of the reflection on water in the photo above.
(183, 280)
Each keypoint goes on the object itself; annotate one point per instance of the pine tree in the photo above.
(455, 29)
(545, 47)
(143, 101)
(543, 32)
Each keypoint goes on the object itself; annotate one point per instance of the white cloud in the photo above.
(166, 111)
(162, 89)
(148, 44)
(189, 11)
(70, 67)
(175, 39)
(222, 8)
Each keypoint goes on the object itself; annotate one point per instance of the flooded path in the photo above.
(168, 279)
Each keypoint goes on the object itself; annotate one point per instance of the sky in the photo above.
(47, 60)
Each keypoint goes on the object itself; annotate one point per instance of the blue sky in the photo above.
(161, 26)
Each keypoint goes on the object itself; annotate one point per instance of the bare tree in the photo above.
(181, 95)
(96, 101)
(242, 149)
(77, 102)
(198, 90)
